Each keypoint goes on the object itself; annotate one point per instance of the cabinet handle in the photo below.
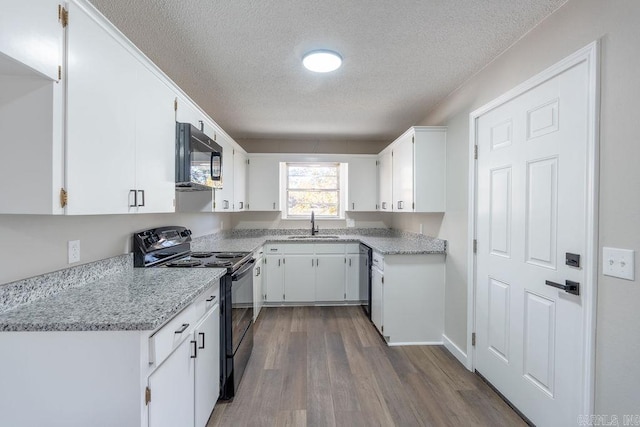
(311, 262)
(349, 262)
(211, 298)
(257, 271)
(142, 193)
(201, 334)
(278, 263)
(241, 205)
(274, 206)
(195, 350)
(225, 204)
(384, 206)
(135, 198)
(317, 262)
(400, 204)
(182, 328)
(353, 206)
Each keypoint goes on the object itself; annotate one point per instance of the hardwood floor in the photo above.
(327, 366)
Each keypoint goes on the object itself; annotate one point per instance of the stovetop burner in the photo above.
(229, 254)
(219, 263)
(184, 263)
(202, 254)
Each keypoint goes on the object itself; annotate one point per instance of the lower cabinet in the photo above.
(377, 284)
(273, 284)
(330, 278)
(299, 278)
(207, 366)
(258, 289)
(172, 401)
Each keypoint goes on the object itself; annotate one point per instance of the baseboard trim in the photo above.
(397, 344)
(455, 350)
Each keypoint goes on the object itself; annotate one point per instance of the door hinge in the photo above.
(147, 396)
(475, 152)
(64, 198)
(475, 246)
(247, 161)
(59, 72)
(473, 339)
(175, 104)
(63, 16)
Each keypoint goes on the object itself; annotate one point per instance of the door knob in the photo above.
(569, 286)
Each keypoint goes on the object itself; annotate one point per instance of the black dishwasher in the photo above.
(365, 279)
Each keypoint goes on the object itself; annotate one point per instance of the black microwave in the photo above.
(198, 159)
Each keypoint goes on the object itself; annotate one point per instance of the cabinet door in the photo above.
(258, 291)
(353, 278)
(32, 35)
(274, 279)
(207, 366)
(223, 197)
(172, 390)
(430, 159)
(264, 184)
(239, 181)
(299, 278)
(330, 278)
(385, 202)
(155, 144)
(100, 147)
(403, 175)
(377, 284)
(187, 112)
(363, 189)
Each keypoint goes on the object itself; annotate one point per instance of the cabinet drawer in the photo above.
(329, 248)
(206, 301)
(171, 335)
(299, 248)
(274, 249)
(378, 261)
(353, 248)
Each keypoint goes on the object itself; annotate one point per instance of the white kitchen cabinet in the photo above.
(402, 174)
(119, 117)
(207, 366)
(187, 112)
(172, 401)
(418, 170)
(330, 280)
(258, 283)
(299, 277)
(355, 267)
(263, 184)
(407, 298)
(377, 284)
(223, 197)
(239, 181)
(32, 34)
(274, 278)
(385, 201)
(362, 188)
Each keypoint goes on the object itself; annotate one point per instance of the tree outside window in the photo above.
(313, 187)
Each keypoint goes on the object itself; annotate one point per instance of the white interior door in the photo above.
(532, 209)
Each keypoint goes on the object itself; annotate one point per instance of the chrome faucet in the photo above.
(314, 227)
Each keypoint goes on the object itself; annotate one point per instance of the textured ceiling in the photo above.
(240, 60)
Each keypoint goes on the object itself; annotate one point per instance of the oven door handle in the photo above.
(246, 269)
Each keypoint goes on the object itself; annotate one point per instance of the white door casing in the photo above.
(532, 199)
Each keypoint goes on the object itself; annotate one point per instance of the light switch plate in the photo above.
(351, 222)
(618, 263)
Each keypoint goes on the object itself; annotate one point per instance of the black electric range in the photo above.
(170, 247)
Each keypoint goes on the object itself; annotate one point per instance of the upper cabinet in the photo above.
(32, 35)
(239, 181)
(385, 202)
(263, 183)
(223, 197)
(120, 125)
(418, 170)
(362, 191)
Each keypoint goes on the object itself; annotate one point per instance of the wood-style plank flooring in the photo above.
(327, 366)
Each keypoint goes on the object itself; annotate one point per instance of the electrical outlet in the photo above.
(421, 229)
(74, 251)
(618, 263)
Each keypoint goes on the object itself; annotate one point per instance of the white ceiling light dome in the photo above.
(322, 61)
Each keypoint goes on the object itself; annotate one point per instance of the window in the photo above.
(313, 187)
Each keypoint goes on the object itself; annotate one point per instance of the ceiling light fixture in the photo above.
(322, 61)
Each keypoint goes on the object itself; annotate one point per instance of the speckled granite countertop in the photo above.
(384, 241)
(134, 299)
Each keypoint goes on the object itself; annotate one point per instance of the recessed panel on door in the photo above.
(539, 341)
(501, 134)
(499, 314)
(500, 214)
(543, 120)
(542, 212)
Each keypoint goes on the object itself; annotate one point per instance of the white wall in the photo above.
(247, 220)
(36, 244)
(573, 26)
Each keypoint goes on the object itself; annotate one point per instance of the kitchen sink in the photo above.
(313, 237)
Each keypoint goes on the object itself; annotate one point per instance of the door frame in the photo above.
(590, 55)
